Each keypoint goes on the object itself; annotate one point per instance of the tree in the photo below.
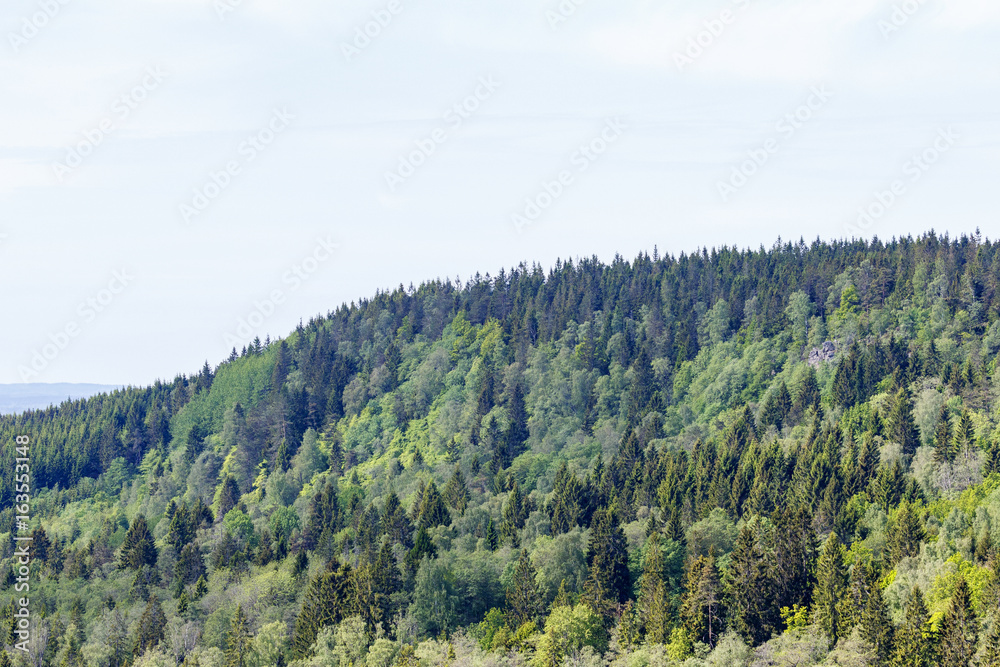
(434, 599)
(239, 651)
(876, 626)
(913, 648)
(138, 549)
(423, 547)
(151, 627)
(524, 602)
(607, 556)
(652, 603)
(831, 588)
(326, 603)
(456, 492)
(567, 630)
(959, 629)
(750, 589)
(432, 509)
(776, 406)
(702, 611)
(905, 534)
(228, 496)
(900, 425)
(808, 395)
(991, 652)
(943, 450)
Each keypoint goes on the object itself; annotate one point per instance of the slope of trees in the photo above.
(647, 462)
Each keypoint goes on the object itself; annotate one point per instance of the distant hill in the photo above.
(15, 398)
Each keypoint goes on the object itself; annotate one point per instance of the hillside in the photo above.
(15, 398)
(734, 457)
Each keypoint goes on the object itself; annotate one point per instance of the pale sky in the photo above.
(181, 163)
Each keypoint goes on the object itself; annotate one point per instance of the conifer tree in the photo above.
(991, 650)
(702, 610)
(750, 590)
(905, 534)
(492, 537)
(5, 659)
(777, 406)
(876, 626)
(395, 524)
(432, 509)
(831, 589)
(913, 648)
(607, 556)
(943, 450)
(965, 435)
(900, 425)
(423, 547)
(652, 603)
(958, 629)
(151, 627)
(457, 493)
(524, 602)
(327, 602)
(138, 549)
(239, 652)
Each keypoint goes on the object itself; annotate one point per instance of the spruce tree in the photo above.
(457, 493)
(327, 601)
(876, 626)
(702, 610)
(151, 627)
(943, 451)
(608, 584)
(239, 652)
(139, 548)
(750, 590)
(958, 629)
(5, 659)
(913, 647)
(831, 589)
(652, 603)
(524, 602)
(991, 650)
(432, 509)
(905, 534)
(901, 427)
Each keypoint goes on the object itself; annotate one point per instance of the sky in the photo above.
(179, 176)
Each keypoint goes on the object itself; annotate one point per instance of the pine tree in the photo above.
(900, 427)
(876, 626)
(913, 648)
(831, 588)
(239, 651)
(138, 549)
(524, 602)
(959, 629)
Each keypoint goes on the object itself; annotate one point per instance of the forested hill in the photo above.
(771, 457)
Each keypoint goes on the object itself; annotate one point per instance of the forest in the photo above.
(735, 457)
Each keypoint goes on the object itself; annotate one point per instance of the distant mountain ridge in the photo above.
(16, 398)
